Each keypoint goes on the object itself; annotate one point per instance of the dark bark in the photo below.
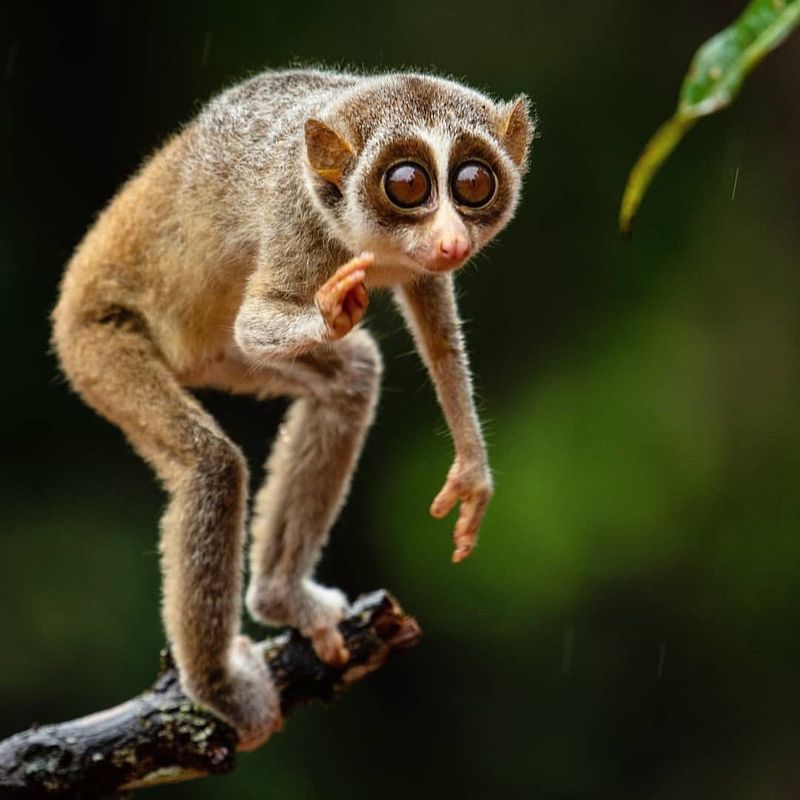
(161, 736)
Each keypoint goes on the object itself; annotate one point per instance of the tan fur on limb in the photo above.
(429, 306)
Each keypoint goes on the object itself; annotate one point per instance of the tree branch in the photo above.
(162, 737)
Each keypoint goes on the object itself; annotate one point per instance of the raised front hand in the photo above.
(342, 299)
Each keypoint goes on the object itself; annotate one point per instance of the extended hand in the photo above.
(471, 483)
(342, 299)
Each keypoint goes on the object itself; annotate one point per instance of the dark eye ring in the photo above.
(473, 184)
(407, 184)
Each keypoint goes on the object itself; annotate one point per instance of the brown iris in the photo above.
(407, 185)
(473, 184)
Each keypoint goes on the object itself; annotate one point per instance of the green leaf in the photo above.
(715, 76)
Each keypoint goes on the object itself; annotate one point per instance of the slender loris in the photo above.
(241, 257)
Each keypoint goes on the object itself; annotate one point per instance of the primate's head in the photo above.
(421, 171)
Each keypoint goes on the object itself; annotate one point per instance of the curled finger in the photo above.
(361, 295)
(353, 308)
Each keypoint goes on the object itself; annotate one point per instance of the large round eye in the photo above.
(407, 185)
(473, 184)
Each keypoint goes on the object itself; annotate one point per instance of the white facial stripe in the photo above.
(447, 220)
(440, 143)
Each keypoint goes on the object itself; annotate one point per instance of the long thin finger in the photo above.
(367, 259)
(462, 551)
(464, 544)
(466, 531)
(362, 262)
(353, 308)
(343, 272)
(444, 502)
(361, 295)
(466, 527)
(332, 298)
(347, 283)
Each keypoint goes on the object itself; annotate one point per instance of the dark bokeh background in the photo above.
(628, 627)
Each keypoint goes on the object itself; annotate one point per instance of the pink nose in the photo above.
(453, 248)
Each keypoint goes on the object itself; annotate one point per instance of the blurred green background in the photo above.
(628, 625)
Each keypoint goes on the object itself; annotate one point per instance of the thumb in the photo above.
(444, 501)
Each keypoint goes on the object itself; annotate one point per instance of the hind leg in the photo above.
(118, 371)
(309, 474)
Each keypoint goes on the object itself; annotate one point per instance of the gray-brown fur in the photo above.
(231, 260)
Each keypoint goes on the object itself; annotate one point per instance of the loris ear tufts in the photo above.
(328, 153)
(516, 129)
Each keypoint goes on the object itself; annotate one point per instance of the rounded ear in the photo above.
(516, 128)
(328, 152)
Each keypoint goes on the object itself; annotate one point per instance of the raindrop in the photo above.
(662, 654)
(735, 184)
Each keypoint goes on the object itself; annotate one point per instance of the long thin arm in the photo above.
(429, 308)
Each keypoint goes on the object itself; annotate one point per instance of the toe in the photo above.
(329, 646)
